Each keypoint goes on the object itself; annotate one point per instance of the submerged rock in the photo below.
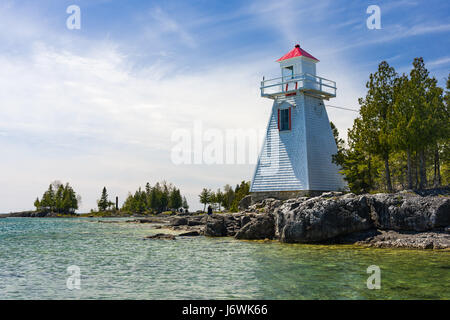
(164, 236)
(189, 234)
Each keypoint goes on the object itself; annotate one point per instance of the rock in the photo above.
(321, 218)
(189, 234)
(194, 222)
(409, 212)
(266, 205)
(179, 221)
(146, 220)
(244, 220)
(164, 236)
(245, 202)
(261, 228)
(408, 239)
(215, 226)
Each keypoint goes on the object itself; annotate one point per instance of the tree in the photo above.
(418, 92)
(185, 204)
(376, 115)
(155, 202)
(357, 165)
(37, 204)
(219, 197)
(228, 196)
(65, 200)
(175, 199)
(339, 142)
(148, 196)
(205, 196)
(103, 202)
(70, 201)
(403, 137)
(164, 196)
(240, 192)
(48, 199)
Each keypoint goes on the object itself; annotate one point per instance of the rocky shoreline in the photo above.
(402, 220)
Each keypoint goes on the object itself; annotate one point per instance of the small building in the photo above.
(296, 156)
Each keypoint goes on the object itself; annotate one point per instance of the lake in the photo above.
(116, 263)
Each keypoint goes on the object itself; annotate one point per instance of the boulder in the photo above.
(179, 221)
(244, 220)
(409, 212)
(245, 202)
(215, 226)
(321, 218)
(263, 227)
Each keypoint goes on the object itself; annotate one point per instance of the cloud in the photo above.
(439, 62)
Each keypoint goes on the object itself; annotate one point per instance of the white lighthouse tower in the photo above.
(296, 157)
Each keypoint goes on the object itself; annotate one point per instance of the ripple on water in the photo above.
(116, 263)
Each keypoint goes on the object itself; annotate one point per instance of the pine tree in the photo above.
(205, 196)
(103, 202)
(185, 204)
(219, 197)
(376, 115)
(37, 204)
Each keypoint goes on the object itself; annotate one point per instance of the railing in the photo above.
(302, 82)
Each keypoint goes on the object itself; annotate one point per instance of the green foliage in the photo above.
(103, 203)
(185, 204)
(64, 200)
(159, 198)
(229, 199)
(205, 197)
(401, 135)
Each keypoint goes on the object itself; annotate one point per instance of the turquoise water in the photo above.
(116, 263)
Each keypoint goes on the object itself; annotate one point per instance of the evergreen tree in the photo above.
(103, 202)
(376, 114)
(228, 196)
(185, 204)
(205, 196)
(219, 197)
(148, 196)
(37, 204)
(175, 199)
(48, 199)
(164, 197)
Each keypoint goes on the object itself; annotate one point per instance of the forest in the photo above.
(401, 137)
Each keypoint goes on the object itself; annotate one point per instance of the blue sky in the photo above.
(97, 106)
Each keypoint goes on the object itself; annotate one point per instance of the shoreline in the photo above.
(402, 220)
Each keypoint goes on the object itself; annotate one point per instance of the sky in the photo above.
(99, 106)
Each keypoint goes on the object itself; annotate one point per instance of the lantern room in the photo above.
(298, 74)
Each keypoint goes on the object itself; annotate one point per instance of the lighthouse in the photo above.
(296, 156)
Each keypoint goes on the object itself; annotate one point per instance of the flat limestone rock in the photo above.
(163, 236)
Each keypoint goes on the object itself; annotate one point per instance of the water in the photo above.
(116, 263)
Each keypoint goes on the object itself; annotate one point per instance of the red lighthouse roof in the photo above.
(296, 52)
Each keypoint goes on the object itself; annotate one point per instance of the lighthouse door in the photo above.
(288, 74)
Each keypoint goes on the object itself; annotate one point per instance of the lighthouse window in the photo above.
(285, 119)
